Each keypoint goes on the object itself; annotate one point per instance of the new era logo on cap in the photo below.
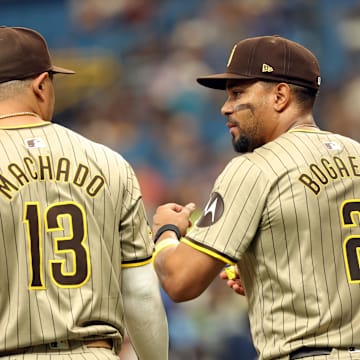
(266, 68)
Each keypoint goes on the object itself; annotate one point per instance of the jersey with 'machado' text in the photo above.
(71, 216)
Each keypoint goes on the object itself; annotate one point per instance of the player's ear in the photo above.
(38, 85)
(282, 94)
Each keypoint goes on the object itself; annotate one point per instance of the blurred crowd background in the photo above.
(135, 91)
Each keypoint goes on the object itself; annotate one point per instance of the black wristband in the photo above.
(167, 227)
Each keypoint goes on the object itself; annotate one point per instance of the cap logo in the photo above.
(266, 68)
(231, 55)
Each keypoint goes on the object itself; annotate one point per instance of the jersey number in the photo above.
(65, 224)
(351, 245)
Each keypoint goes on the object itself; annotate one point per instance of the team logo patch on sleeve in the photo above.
(212, 211)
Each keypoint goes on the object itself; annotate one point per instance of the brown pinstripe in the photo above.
(291, 221)
(71, 215)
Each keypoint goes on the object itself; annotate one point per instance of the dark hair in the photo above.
(304, 95)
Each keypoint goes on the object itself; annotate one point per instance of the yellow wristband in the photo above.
(163, 244)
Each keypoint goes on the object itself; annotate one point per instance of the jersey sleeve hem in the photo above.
(136, 263)
(208, 250)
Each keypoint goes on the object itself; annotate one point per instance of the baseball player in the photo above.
(286, 211)
(75, 244)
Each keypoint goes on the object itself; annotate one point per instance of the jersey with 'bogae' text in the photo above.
(71, 216)
(289, 215)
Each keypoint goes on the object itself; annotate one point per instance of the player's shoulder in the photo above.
(245, 166)
(278, 156)
(87, 144)
(322, 140)
(295, 149)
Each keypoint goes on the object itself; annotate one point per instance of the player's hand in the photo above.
(233, 281)
(175, 214)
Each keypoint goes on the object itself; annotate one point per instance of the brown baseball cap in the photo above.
(24, 53)
(269, 58)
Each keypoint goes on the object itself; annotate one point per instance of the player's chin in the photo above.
(241, 144)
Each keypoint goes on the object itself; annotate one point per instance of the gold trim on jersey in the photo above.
(315, 130)
(207, 250)
(25, 126)
(136, 263)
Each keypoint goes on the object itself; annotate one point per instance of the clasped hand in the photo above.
(175, 214)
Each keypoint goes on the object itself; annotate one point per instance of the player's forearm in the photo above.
(145, 315)
(165, 266)
(148, 332)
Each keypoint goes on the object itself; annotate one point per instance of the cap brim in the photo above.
(218, 81)
(61, 70)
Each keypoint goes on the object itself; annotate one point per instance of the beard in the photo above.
(242, 144)
(249, 138)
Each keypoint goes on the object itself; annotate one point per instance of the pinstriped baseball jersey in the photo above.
(71, 216)
(289, 215)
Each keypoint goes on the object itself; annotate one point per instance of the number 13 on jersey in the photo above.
(65, 229)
